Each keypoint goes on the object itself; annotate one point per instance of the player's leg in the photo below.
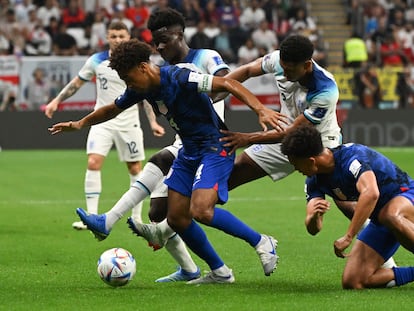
(130, 147)
(209, 188)
(244, 171)
(188, 270)
(101, 225)
(180, 220)
(398, 216)
(98, 144)
(364, 268)
(258, 161)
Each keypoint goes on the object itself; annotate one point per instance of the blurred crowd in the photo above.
(382, 37)
(241, 30)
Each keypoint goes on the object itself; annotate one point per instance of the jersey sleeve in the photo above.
(312, 190)
(128, 99)
(87, 72)
(271, 63)
(192, 80)
(321, 103)
(213, 62)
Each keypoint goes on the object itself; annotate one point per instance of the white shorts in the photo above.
(129, 143)
(271, 159)
(161, 190)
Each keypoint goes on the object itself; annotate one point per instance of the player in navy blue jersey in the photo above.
(198, 178)
(380, 191)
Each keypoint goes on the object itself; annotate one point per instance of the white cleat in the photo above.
(213, 278)
(79, 225)
(150, 232)
(266, 249)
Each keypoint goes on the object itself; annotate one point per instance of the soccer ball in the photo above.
(116, 267)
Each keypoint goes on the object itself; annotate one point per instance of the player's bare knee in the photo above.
(390, 216)
(162, 159)
(351, 282)
(202, 213)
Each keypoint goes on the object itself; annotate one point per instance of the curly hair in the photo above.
(165, 18)
(303, 141)
(296, 49)
(128, 55)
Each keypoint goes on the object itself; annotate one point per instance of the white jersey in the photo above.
(317, 101)
(108, 87)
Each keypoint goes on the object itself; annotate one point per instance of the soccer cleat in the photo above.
(95, 223)
(180, 275)
(212, 277)
(79, 225)
(266, 249)
(149, 232)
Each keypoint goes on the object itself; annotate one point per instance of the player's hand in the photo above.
(341, 244)
(50, 108)
(69, 126)
(269, 118)
(157, 130)
(235, 140)
(318, 207)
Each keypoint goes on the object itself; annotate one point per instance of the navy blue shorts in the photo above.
(379, 238)
(208, 171)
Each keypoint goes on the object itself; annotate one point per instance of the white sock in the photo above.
(93, 188)
(146, 183)
(223, 271)
(176, 247)
(137, 209)
(166, 230)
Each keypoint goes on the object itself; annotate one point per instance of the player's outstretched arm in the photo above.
(71, 88)
(100, 115)
(268, 118)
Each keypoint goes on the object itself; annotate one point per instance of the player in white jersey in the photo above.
(167, 27)
(308, 94)
(124, 131)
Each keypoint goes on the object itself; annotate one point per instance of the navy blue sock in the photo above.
(230, 224)
(197, 241)
(403, 275)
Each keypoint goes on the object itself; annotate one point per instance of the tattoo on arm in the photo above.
(70, 89)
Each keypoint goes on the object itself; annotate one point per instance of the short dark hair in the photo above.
(128, 55)
(303, 141)
(165, 18)
(118, 26)
(296, 49)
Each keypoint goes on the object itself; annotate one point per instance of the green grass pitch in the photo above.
(46, 265)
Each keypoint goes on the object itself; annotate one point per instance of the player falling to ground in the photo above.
(124, 131)
(198, 177)
(381, 191)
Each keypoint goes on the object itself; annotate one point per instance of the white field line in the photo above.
(81, 202)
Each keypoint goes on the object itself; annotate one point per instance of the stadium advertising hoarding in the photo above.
(57, 71)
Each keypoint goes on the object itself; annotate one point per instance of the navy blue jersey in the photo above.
(189, 111)
(351, 160)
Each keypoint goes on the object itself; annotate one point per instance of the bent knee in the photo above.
(163, 159)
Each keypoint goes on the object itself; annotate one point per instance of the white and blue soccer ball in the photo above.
(116, 267)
